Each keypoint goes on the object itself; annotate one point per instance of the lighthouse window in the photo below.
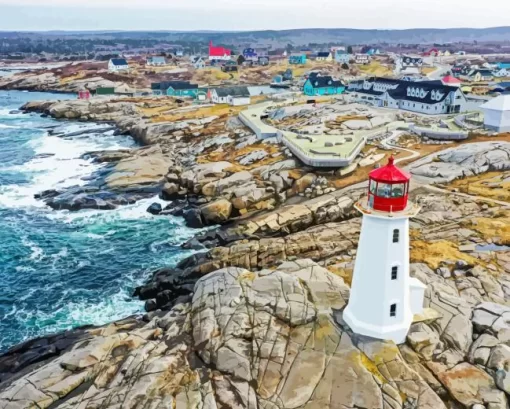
(393, 310)
(373, 186)
(396, 235)
(398, 190)
(394, 272)
(383, 190)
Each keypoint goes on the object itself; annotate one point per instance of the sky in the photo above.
(226, 15)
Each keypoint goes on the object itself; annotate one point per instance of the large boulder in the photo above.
(220, 186)
(216, 212)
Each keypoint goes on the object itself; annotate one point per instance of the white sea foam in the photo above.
(3, 126)
(135, 211)
(7, 113)
(37, 252)
(63, 169)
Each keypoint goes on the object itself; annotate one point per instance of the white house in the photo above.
(497, 114)
(501, 73)
(384, 298)
(362, 58)
(324, 56)
(198, 62)
(408, 65)
(234, 96)
(156, 61)
(118, 65)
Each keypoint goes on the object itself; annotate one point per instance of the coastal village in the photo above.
(352, 207)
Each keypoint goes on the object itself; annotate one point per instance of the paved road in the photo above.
(440, 72)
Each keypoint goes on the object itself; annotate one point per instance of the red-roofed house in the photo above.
(218, 53)
(451, 81)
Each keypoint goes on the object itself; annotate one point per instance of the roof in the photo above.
(323, 54)
(181, 85)
(174, 84)
(233, 92)
(157, 59)
(449, 79)
(390, 173)
(440, 92)
(324, 81)
(501, 103)
(218, 51)
(119, 61)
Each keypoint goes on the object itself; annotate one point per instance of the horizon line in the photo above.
(205, 31)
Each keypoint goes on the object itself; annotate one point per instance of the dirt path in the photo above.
(387, 144)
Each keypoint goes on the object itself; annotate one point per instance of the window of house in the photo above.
(393, 310)
(396, 235)
(394, 272)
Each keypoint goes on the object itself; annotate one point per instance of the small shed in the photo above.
(105, 91)
(497, 114)
(84, 94)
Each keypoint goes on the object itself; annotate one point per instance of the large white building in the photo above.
(497, 114)
(384, 298)
(426, 97)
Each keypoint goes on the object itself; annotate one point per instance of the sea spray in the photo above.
(61, 269)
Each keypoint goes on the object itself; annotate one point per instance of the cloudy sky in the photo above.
(248, 14)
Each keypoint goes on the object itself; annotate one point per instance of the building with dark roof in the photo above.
(175, 89)
(230, 95)
(317, 85)
(118, 65)
(324, 56)
(427, 97)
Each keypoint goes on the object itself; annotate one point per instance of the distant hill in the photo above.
(307, 36)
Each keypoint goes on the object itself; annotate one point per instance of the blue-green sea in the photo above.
(58, 269)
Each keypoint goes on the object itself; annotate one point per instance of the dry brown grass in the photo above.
(434, 253)
(232, 155)
(496, 228)
(428, 70)
(493, 185)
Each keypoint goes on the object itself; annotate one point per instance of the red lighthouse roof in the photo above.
(390, 173)
(218, 51)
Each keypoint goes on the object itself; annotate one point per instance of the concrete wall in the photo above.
(311, 159)
(445, 135)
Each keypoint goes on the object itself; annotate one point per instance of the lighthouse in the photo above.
(383, 297)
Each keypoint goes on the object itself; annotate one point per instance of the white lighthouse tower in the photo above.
(383, 297)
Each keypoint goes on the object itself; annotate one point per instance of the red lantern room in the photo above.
(388, 188)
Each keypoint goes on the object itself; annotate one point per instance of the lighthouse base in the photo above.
(396, 333)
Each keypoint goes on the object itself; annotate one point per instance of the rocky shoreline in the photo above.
(254, 320)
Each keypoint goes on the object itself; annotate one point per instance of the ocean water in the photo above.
(58, 269)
